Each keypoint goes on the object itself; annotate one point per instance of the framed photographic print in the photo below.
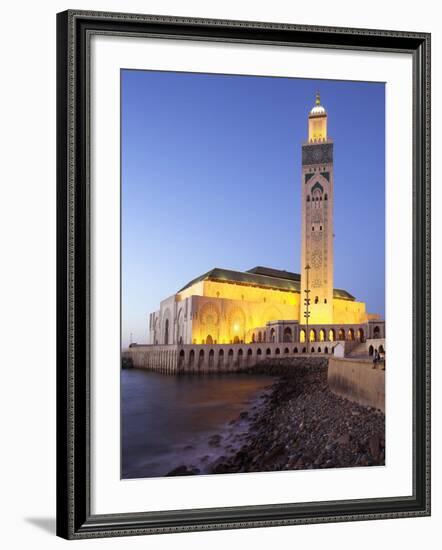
(243, 274)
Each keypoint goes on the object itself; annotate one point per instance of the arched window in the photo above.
(166, 332)
(319, 350)
(370, 350)
(259, 352)
(230, 357)
(287, 334)
(240, 356)
(376, 332)
(316, 299)
(308, 198)
(312, 350)
(326, 349)
(341, 335)
(211, 357)
(221, 357)
(312, 337)
(351, 334)
(325, 300)
(201, 358)
(277, 351)
(302, 336)
(209, 339)
(360, 335)
(331, 335)
(322, 335)
(286, 350)
(268, 352)
(303, 350)
(325, 197)
(272, 335)
(295, 350)
(259, 336)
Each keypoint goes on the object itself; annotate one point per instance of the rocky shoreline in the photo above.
(301, 425)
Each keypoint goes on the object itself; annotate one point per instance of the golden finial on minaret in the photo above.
(318, 98)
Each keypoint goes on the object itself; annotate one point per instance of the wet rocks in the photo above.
(215, 440)
(301, 424)
(183, 471)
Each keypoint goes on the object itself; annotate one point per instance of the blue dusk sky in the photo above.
(211, 177)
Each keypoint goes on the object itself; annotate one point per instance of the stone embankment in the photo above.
(303, 425)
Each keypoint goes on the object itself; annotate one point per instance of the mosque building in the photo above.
(269, 305)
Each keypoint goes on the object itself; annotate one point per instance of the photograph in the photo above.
(252, 274)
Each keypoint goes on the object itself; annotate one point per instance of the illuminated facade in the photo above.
(264, 304)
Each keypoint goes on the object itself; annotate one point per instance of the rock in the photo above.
(183, 471)
(215, 440)
(374, 445)
(244, 414)
(344, 439)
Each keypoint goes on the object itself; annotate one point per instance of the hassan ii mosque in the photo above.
(265, 310)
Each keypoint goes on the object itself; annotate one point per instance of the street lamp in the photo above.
(307, 303)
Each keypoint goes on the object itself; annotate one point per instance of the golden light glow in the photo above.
(236, 312)
(317, 128)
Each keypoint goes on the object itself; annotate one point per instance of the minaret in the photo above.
(317, 219)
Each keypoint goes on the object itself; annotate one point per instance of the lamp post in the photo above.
(307, 303)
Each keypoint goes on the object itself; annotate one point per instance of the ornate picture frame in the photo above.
(74, 517)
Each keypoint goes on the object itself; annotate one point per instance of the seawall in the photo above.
(357, 380)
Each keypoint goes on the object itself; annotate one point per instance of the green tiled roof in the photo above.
(261, 276)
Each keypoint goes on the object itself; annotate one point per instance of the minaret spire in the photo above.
(317, 222)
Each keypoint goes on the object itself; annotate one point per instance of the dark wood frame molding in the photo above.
(74, 519)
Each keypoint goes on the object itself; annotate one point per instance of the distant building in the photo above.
(265, 304)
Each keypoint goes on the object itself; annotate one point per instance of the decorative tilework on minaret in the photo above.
(317, 219)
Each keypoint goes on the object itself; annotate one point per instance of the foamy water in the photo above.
(169, 421)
